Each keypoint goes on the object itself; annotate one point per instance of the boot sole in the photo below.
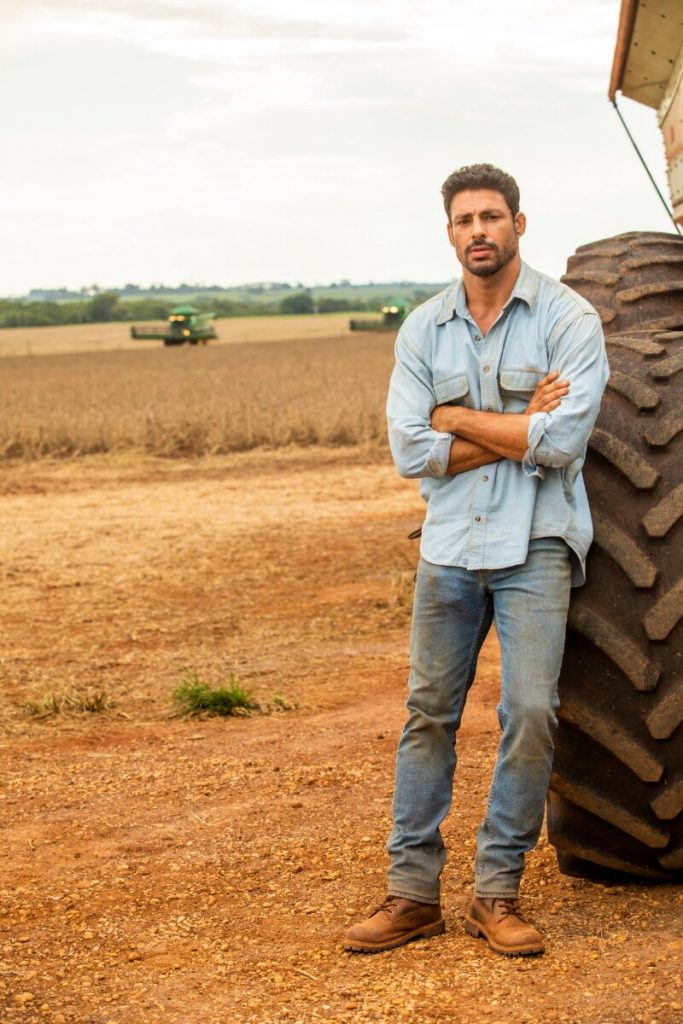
(477, 930)
(438, 928)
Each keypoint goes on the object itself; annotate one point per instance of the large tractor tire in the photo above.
(632, 280)
(616, 797)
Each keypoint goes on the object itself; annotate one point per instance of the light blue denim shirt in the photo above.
(484, 518)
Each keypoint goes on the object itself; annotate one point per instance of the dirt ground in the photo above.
(161, 869)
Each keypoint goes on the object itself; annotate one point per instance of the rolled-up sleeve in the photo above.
(576, 349)
(418, 451)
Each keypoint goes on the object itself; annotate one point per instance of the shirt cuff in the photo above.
(534, 438)
(439, 454)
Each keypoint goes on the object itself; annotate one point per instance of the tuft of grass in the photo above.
(279, 702)
(67, 703)
(196, 697)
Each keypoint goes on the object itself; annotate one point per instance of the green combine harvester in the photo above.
(394, 313)
(185, 324)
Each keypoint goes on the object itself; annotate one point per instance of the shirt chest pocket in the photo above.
(453, 390)
(517, 387)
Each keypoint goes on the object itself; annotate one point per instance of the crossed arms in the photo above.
(429, 440)
(484, 437)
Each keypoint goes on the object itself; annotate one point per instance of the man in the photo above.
(494, 394)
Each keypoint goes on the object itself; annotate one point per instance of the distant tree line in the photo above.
(106, 307)
(181, 291)
(138, 291)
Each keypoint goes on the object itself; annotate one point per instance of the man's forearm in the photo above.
(466, 455)
(505, 434)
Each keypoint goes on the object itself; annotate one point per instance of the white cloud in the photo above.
(247, 139)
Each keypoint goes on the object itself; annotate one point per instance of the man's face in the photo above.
(483, 232)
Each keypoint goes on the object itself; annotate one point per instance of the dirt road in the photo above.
(156, 869)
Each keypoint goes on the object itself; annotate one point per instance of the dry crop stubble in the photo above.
(196, 401)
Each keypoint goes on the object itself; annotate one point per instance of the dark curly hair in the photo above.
(481, 176)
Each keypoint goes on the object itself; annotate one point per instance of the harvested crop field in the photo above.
(195, 400)
(165, 870)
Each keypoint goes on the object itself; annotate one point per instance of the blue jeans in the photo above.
(452, 613)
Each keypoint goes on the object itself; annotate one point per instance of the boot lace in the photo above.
(509, 908)
(387, 905)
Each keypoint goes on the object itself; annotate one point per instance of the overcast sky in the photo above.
(251, 140)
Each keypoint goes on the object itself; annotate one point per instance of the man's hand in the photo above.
(548, 394)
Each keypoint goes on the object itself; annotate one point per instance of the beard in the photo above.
(500, 258)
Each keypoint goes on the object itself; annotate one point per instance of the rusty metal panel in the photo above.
(670, 117)
(654, 46)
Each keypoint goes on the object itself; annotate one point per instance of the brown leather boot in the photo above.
(395, 922)
(500, 922)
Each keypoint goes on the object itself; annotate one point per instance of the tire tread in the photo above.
(616, 796)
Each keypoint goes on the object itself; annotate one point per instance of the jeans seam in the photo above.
(485, 824)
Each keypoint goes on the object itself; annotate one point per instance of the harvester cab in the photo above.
(393, 315)
(184, 324)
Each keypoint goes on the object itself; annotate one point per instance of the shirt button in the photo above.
(486, 369)
(477, 337)
(477, 519)
(484, 478)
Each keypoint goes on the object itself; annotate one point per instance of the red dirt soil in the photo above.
(164, 869)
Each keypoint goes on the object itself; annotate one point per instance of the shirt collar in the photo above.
(455, 303)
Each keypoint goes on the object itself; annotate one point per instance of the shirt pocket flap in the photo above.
(451, 389)
(521, 381)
